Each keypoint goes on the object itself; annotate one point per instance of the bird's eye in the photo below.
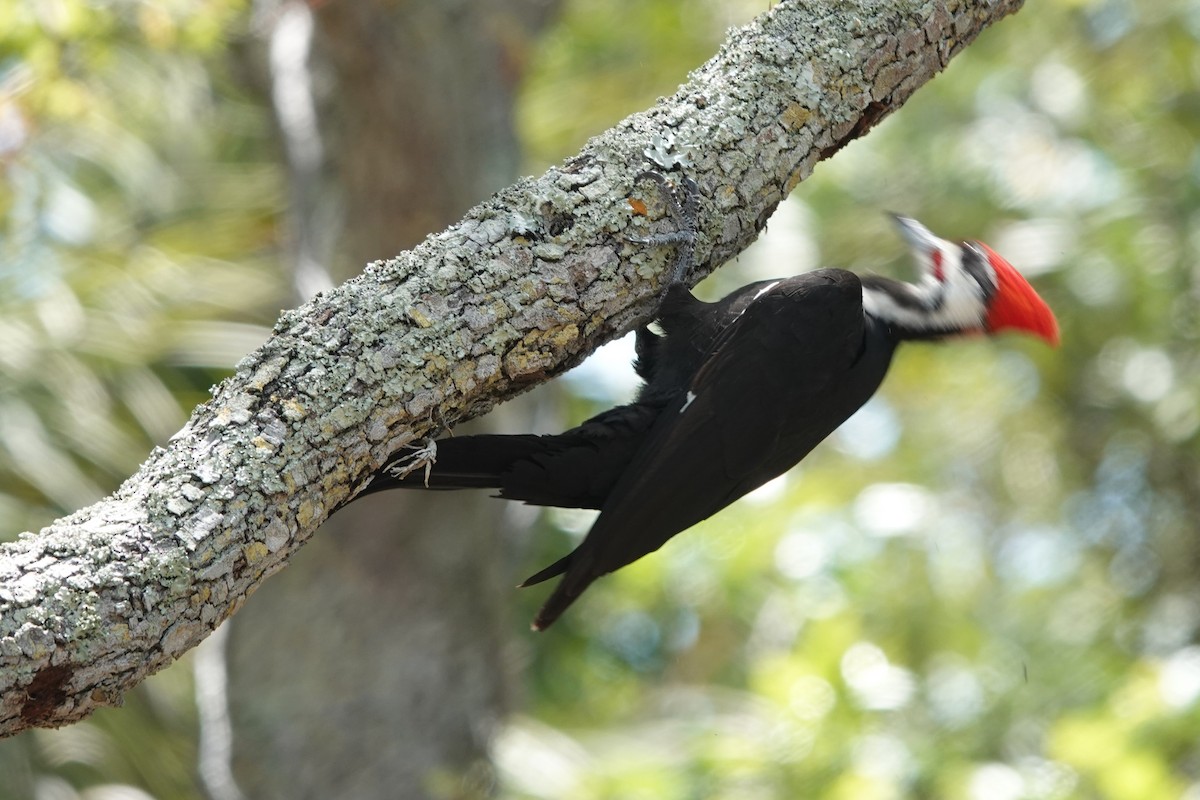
(975, 264)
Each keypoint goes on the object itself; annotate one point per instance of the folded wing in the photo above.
(765, 396)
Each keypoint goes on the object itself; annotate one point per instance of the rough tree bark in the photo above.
(527, 284)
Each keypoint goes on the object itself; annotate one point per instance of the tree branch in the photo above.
(526, 285)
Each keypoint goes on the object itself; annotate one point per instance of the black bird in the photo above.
(735, 393)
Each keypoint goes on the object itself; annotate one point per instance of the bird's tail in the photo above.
(567, 592)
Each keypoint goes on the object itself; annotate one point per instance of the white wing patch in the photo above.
(765, 289)
(687, 401)
(757, 295)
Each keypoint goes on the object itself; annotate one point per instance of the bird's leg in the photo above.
(421, 455)
(683, 212)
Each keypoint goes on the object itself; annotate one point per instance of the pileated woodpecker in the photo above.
(735, 393)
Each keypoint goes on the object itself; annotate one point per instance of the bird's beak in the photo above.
(919, 237)
(1015, 305)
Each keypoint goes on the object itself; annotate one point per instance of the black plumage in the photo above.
(735, 393)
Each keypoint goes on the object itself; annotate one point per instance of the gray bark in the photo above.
(527, 284)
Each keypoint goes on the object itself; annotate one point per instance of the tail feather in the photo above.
(567, 592)
(555, 569)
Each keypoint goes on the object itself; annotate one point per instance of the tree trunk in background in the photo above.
(416, 114)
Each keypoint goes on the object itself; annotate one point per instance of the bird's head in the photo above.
(963, 288)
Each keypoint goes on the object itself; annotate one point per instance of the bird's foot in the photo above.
(423, 455)
(682, 205)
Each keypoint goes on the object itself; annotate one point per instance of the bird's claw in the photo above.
(682, 204)
(422, 455)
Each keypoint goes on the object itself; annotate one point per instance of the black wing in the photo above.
(765, 396)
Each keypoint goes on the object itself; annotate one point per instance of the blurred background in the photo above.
(983, 586)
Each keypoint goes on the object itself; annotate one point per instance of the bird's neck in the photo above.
(929, 310)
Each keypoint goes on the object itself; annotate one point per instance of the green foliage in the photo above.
(608, 59)
(138, 216)
(128, 196)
